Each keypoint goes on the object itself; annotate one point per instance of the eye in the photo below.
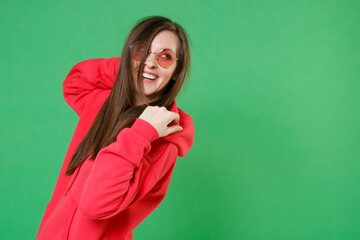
(166, 56)
(138, 52)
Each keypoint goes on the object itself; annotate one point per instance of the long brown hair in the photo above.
(118, 111)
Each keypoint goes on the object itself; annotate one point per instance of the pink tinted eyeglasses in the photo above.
(164, 57)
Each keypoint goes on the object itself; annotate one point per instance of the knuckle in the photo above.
(169, 115)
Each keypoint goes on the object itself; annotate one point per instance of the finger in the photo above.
(175, 117)
(174, 129)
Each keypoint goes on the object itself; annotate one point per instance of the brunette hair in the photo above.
(118, 111)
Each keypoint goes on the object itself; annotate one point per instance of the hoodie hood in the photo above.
(182, 139)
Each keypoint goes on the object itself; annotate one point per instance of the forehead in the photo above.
(165, 39)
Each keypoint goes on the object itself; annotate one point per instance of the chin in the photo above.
(148, 93)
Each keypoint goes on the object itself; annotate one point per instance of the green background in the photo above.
(274, 92)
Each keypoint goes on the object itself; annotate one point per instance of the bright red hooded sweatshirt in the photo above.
(108, 197)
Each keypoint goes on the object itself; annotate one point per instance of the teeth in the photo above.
(150, 76)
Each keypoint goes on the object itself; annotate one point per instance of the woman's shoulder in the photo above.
(183, 139)
(185, 115)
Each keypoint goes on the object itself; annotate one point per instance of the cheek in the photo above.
(167, 78)
(170, 74)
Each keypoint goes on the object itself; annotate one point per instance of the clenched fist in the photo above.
(159, 118)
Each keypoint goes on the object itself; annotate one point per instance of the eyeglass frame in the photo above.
(156, 53)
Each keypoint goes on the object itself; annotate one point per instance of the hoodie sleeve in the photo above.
(111, 186)
(89, 76)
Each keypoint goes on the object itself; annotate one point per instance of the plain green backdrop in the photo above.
(274, 92)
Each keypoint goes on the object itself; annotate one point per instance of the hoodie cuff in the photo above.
(145, 129)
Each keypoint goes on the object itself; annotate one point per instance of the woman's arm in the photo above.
(112, 186)
(89, 76)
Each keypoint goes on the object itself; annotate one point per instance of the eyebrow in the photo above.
(165, 48)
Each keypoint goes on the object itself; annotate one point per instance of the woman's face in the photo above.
(152, 69)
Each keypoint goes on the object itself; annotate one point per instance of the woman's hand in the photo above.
(159, 118)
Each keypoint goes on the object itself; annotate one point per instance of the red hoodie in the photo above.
(108, 197)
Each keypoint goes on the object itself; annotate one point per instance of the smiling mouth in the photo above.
(150, 77)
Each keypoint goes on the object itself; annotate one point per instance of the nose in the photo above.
(151, 60)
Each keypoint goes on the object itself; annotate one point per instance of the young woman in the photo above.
(120, 160)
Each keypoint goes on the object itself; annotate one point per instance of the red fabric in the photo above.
(108, 197)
